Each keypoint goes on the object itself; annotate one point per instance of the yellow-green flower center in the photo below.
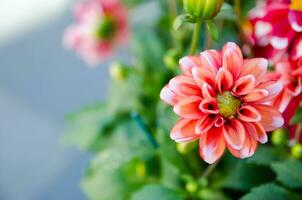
(106, 28)
(227, 104)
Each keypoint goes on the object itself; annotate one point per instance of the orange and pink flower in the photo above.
(223, 100)
(276, 28)
(100, 26)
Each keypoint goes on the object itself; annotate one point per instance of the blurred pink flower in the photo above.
(289, 73)
(222, 100)
(276, 27)
(100, 25)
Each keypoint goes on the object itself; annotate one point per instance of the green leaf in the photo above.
(265, 155)
(84, 126)
(245, 176)
(210, 194)
(158, 192)
(297, 119)
(107, 177)
(270, 192)
(181, 19)
(212, 29)
(226, 13)
(105, 185)
(289, 173)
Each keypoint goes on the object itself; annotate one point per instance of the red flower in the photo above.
(100, 26)
(289, 113)
(276, 26)
(222, 100)
(289, 73)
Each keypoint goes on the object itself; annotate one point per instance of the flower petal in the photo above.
(282, 100)
(295, 19)
(260, 133)
(168, 96)
(209, 106)
(202, 75)
(234, 133)
(211, 145)
(248, 114)
(184, 131)
(224, 80)
(205, 123)
(255, 95)
(256, 67)
(184, 86)
(244, 85)
(188, 62)
(189, 107)
(273, 88)
(232, 59)
(249, 147)
(207, 91)
(211, 59)
(219, 122)
(271, 118)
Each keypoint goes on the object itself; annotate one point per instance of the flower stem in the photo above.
(146, 130)
(195, 39)
(298, 133)
(210, 169)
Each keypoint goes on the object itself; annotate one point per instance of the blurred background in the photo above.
(40, 83)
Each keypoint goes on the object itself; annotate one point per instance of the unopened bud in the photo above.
(280, 137)
(185, 147)
(296, 151)
(191, 186)
(171, 58)
(140, 169)
(118, 71)
(203, 9)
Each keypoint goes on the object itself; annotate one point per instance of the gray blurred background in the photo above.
(40, 83)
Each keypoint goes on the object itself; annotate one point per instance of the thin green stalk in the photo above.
(210, 169)
(195, 39)
(146, 130)
(298, 133)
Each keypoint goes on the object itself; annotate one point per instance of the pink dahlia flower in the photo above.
(223, 101)
(99, 26)
(289, 73)
(276, 27)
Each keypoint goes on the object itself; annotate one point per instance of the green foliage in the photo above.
(108, 174)
(265, 155)
(84, 126)
(158, 192)
(212, 29)
(270, 191)
(244, 176)
(289, 173)
(297, 119)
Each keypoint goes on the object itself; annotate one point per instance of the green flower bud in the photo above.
(185, 147)
(296, 151)
(191, 186)
(118, 71)
(140, 169)
(280, 137)
(171, 58)
(203, 9)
